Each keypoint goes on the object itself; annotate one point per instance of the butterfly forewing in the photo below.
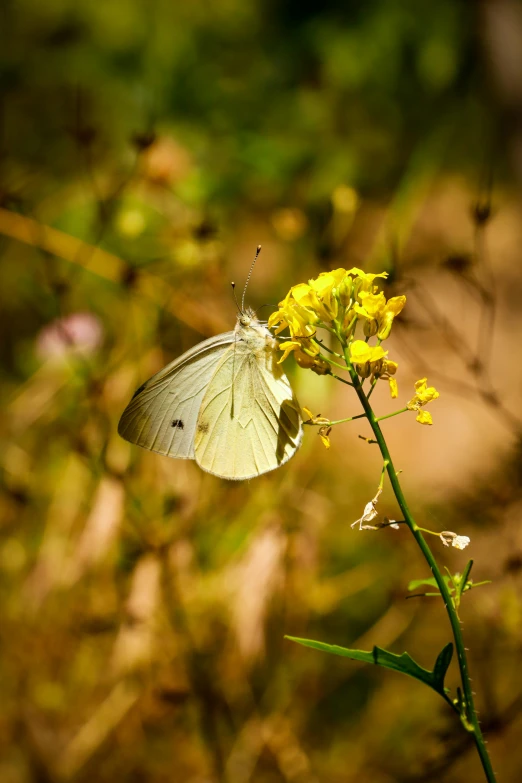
(163, 413)
(249, 420)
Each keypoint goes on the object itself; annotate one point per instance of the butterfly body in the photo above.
(225, 403)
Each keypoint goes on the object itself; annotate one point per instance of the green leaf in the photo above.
(462, 582)
(461, 586)
(431, 582)
(441, 667)
(400, 663)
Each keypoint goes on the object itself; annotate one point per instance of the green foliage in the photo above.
(272, 109)
(400, 663)
(457, 584)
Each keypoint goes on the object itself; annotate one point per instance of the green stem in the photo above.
(431, 532)
(389, 415)
(343, 380)
(329, 350)
(372, 387)
(326, 359)
(338, 421)
(469, 719)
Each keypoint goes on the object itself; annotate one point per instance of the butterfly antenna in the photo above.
(248, 278)
(235, 297)
(267, 304)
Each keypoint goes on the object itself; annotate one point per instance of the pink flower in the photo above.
(79, 333)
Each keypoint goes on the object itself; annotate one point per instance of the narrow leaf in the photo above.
(400, 663)
(441, 667)
(464, 579)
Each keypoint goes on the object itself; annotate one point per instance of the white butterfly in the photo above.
(225, 403)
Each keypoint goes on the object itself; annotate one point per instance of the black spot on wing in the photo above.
(203, 426)
(178, 424)
(139, 390)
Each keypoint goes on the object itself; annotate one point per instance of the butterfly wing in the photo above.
(163, 413)
(249, 421)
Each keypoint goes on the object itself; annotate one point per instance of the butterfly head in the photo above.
(247, 318)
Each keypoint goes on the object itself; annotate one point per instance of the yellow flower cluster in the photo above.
(320, 300)
(423, 394)
(342, 296)
(339, 300)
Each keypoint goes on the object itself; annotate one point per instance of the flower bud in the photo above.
(348, 318)
(344, 290)
(393, 307)
(385, 326)
(390, 367)
(370, 327)
(378, 367)
(363, 370)
(307, 362)
(321, 368)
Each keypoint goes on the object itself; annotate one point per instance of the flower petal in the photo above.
(460, 542)
(394, 388)
(424, 417)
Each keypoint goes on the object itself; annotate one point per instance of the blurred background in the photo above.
(146, 148)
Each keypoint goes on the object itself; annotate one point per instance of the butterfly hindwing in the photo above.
(163, 413)
(249, 421)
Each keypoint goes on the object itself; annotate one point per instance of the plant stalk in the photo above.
(469, 719)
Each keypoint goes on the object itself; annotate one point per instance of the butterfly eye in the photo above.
(244, 320)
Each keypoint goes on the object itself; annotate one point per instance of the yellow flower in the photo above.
(320, 294)
(371, 307)
(324, 433)
(305, 353)
(393, 308)
(299, 319)
(287, 347)
(424, 417)
(423, 395)
(361, 352)
(378, 312)
(305, 345)
(366, 359)
(372, 304)
(389, 368)
(308, 296)
(366, 277)
(364, 281)
(308, 303)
